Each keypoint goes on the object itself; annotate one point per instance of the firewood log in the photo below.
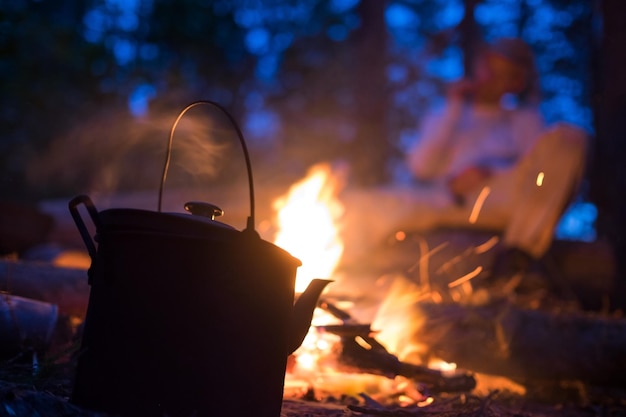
(65, 287)
(525, 344)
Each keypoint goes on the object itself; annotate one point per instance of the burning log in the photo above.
(525, 345)
(362, 353)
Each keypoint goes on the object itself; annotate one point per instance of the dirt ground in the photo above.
(43, 388)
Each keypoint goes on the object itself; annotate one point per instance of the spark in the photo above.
(405, 400)
(423, 296)
(426, 402)
(436, 297)
(400, 236)
(484, 247)
(422, 263)
(540, 178)
(478, 205)
(466, 277)
(363, 343)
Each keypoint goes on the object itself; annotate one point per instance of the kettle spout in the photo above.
(303, 312)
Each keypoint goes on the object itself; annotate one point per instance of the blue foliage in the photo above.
(450, 14)
(125, 51)
(139, 99)
(400, 16)
(261, 125)
(449, 66)
(578, 223)
(267, 67)
(341, 6)
(248, 18)
(338, 32)
(257, 41)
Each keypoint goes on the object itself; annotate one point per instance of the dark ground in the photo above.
(46, 394)
(43, 388)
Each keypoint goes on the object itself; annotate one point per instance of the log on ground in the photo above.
(524, 344)
(65, 287)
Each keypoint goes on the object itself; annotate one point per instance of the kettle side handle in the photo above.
(80, 224)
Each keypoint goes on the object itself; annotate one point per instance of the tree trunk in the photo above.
(608, 173)
(372, 147)
(470, 36)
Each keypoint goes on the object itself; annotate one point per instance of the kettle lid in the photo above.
(166, 223)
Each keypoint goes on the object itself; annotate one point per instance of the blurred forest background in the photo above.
(91, 88)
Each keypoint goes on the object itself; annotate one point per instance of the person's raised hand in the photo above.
(461, 90)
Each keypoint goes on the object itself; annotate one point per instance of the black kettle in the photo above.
(186, 315)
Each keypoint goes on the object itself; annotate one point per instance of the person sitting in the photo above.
(485, 159)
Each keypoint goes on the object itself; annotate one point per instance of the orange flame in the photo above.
(307, 216)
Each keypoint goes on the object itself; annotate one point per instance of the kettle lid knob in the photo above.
(204, 209)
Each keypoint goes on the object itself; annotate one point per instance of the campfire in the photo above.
(406, 356)
(341, 356)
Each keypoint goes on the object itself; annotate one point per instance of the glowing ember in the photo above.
(540, 178)
(466, 277)
(442, 365)
(306, 224)
(478, 205)
(316, 355)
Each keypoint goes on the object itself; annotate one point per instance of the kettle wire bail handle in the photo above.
(93, 213)
(250, 221)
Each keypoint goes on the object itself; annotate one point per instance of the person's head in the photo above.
(506, 66)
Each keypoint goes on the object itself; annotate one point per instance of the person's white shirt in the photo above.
(458, 136)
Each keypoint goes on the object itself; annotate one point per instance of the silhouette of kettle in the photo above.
(186, 314)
